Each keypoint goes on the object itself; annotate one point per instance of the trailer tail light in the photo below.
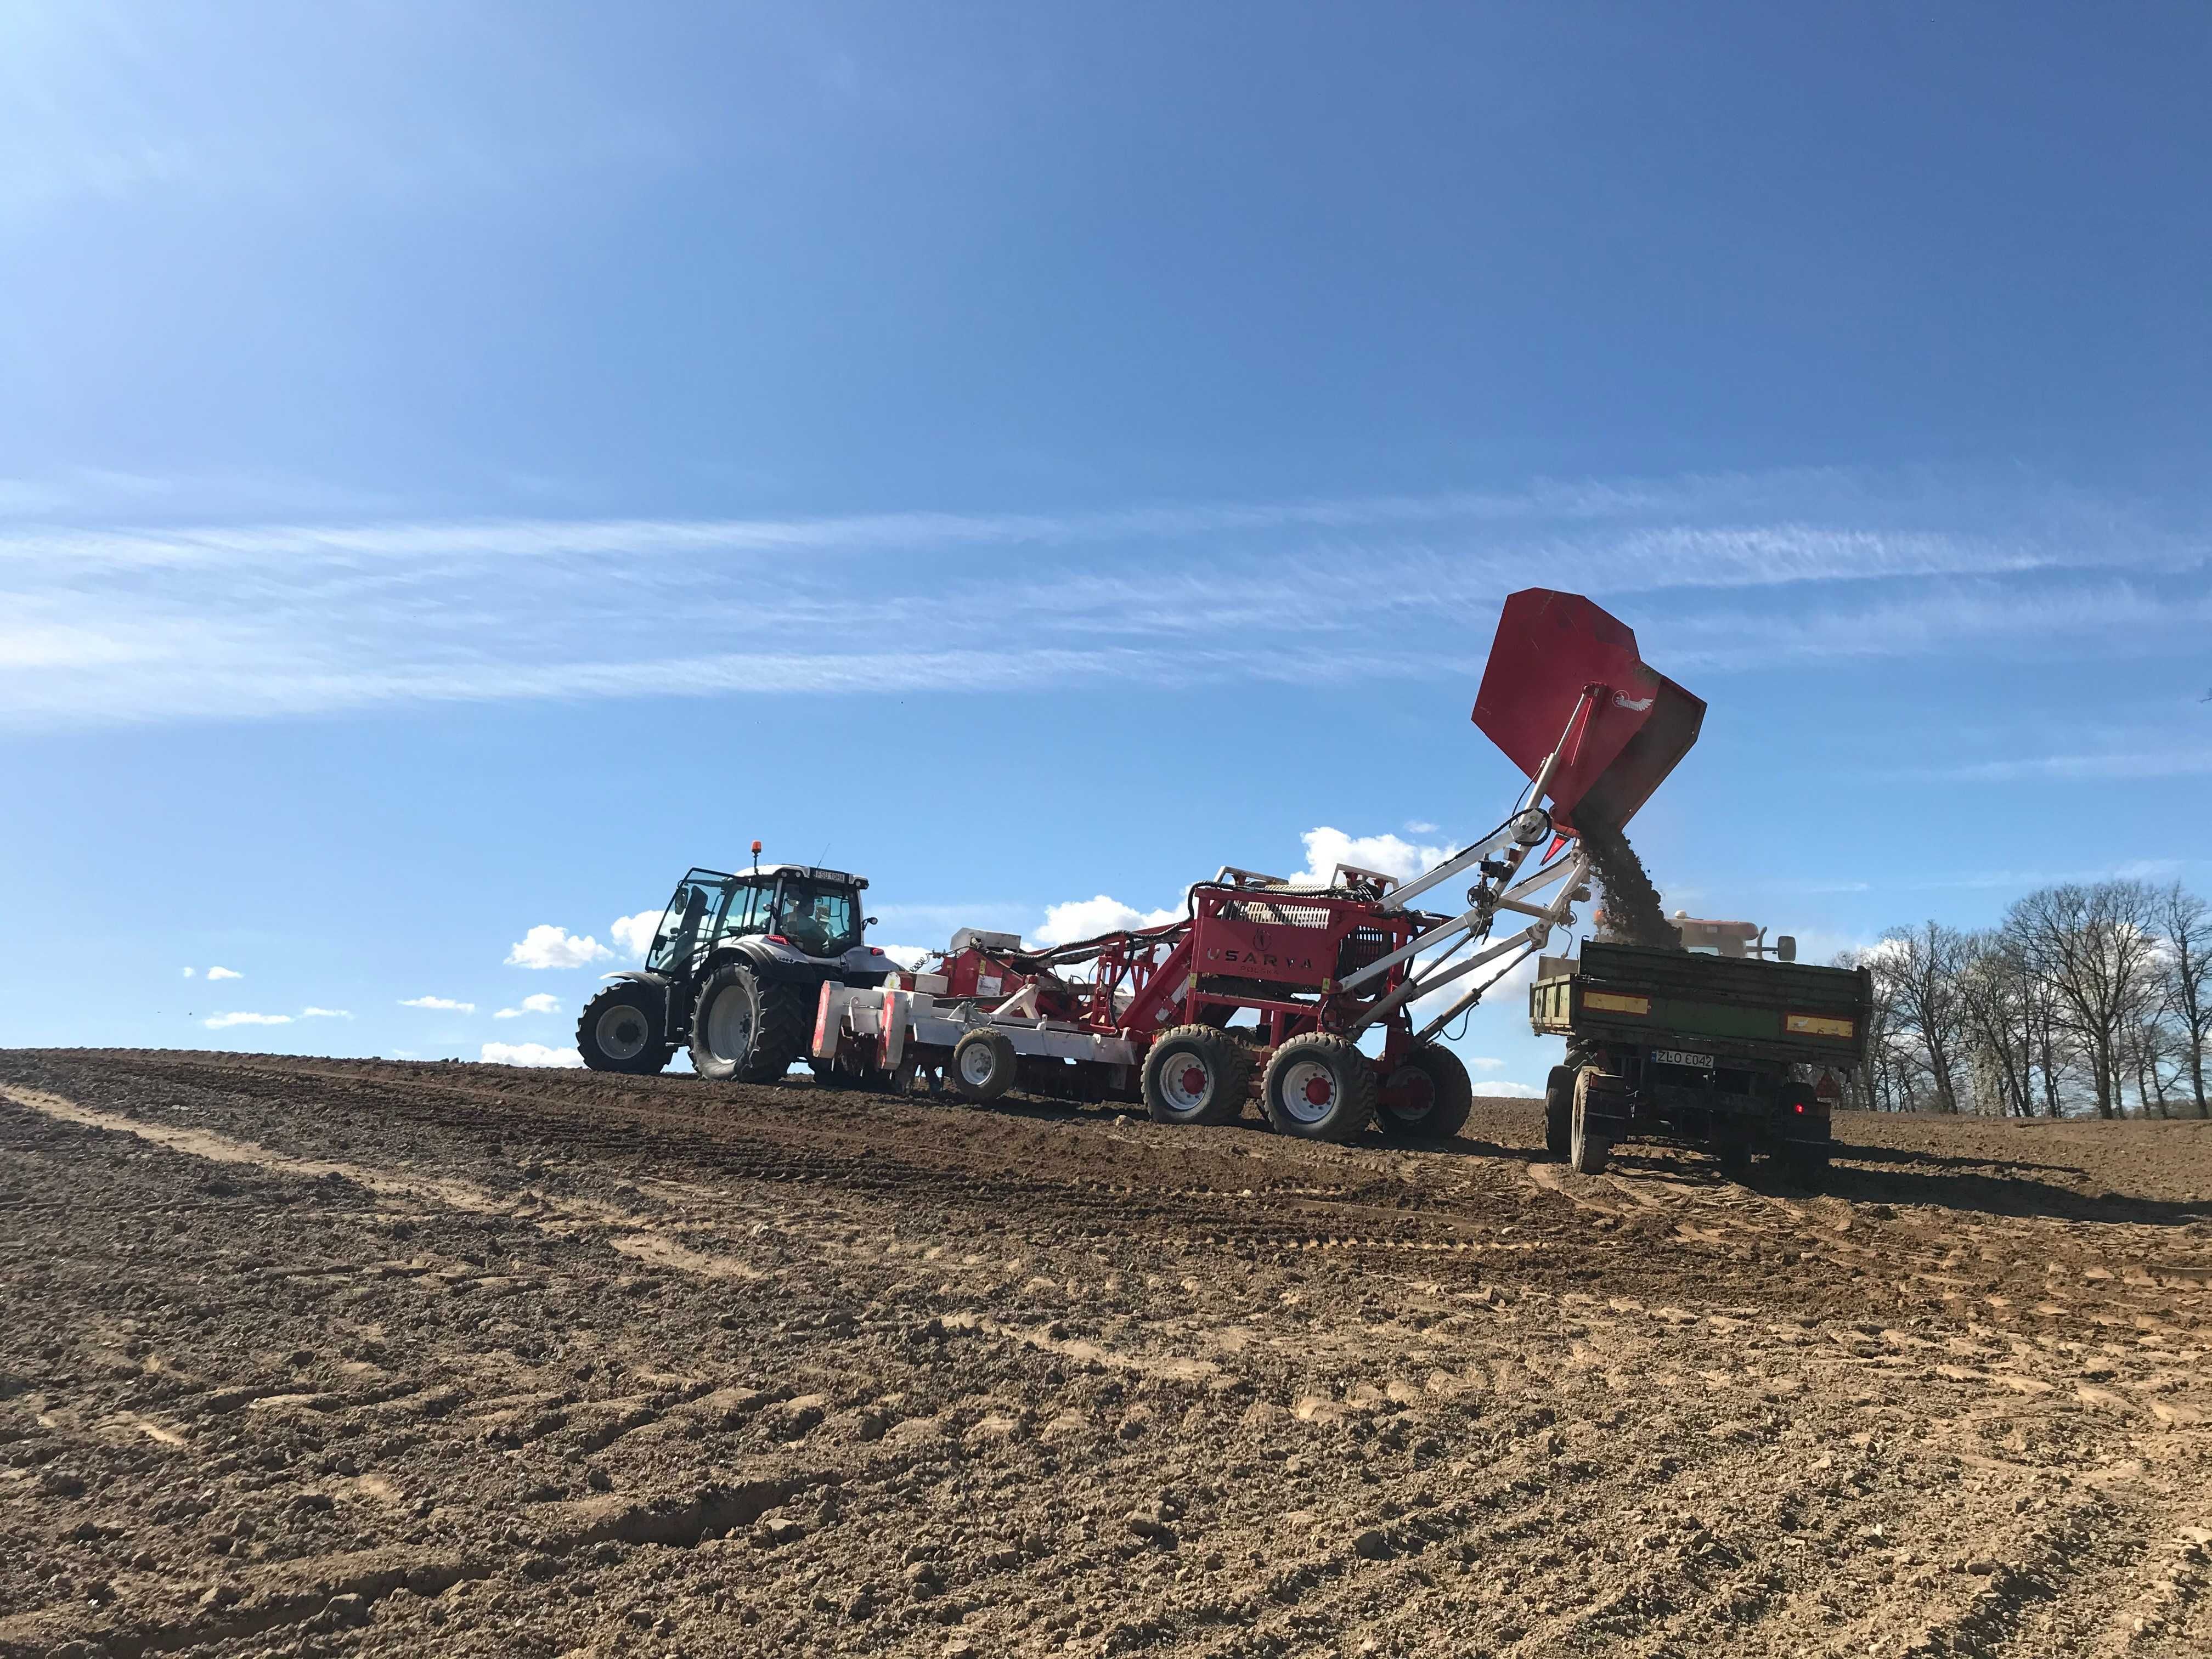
(777, 938)
(1798, 1107)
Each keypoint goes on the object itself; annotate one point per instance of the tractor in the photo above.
(734, 972)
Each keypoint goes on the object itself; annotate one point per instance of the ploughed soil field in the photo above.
(326, 1357)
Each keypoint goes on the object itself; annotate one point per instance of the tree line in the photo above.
(2088, 996)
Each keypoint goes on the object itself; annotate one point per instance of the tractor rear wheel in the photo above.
(983, 1065)
(621, 1030)
(1427, 1098)
(1559, 1111)
(1196, 1074)
(1319, 1087)
(746, 1030)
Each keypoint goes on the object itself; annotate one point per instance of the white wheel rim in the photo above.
(730, 1025)
(620, 1032)
(977, 1062)
(1186, 1081)
(1308, 1090)
(1416, 1093)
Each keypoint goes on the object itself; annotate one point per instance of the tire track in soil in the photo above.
(1041, 1381)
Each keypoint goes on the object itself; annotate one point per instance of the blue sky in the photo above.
(464, 465)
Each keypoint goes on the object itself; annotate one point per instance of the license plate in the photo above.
(1676, 1057)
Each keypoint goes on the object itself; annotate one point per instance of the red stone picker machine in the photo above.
(1308, 988)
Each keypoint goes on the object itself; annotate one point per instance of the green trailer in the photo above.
(1733, 1054)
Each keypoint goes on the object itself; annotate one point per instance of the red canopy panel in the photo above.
(1550, 646)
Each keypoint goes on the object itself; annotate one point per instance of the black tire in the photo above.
(1427, 1098)
(1196, 1074)
(1559, 1111)
(982, 1066)
(1329, 1067)
(622, 1030)
(1732, 1148)
(1805, 1161)
(745, 1029)
(1587, 1144)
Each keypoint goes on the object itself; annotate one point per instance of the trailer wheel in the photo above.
(1587, 1145)
(1559, 1111)
(1733, 1149)
(1806, 1161)
(745, 1029)
(1196, 1074)
(982, 1065)
(1427, 1098)
(620, 1030)
(1319, 1087)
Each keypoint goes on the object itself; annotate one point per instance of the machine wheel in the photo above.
(1806, 1161)
(1586, 1147)
(1196, 1074)
(982, 1065)
(1319, 1088)
(1428, 1099)
(1559, 1111)
(1733, 1148)
(620, 1030)
(746, 1030)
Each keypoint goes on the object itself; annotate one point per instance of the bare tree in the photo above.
(1878, 1085)
(2184, 927)
(1918, 973)
(2094, 946)
(1996, 994)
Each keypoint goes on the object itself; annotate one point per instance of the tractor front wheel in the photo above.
(621, 1030)
(1319, 1087)
(745, 1029)
(1196, 1074)
(1427, 1098)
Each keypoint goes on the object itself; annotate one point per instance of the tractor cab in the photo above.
(816, 911)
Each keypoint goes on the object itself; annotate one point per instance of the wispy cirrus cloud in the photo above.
(245, 621)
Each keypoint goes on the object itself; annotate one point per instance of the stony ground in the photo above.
(306, 1356)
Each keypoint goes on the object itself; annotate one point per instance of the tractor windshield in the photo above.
(820, 920)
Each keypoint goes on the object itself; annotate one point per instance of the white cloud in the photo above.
(634, 933)
(289, 617)
(1481, 1062)
(2076, 768)
(528, 1054)
(220, 1021)
(1511, 1090)
(224, 973)
(1420, 827)
(445, 1003)
(189, 972)
(325, 1013)
(909, 956)
(542, 1002)
(548, 946)
(1086, 918)
(1326, 849)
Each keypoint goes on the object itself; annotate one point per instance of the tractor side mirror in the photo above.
(1785, 947)
(869, 921)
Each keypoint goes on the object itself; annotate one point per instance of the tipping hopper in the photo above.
(1564, 675)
